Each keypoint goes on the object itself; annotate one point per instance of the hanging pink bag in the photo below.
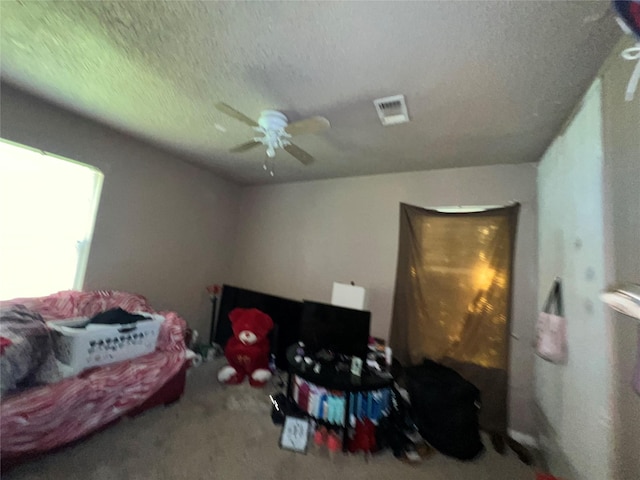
(551, 340)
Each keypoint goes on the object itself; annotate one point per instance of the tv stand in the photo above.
(333, 379)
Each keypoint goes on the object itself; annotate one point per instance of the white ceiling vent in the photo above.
(392, 110)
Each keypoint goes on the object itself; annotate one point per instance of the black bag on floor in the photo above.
(445, 409)
(283, 407)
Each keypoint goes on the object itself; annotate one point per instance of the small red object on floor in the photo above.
(334, 444)
(320, 436)
(546, 476)
(364, 438)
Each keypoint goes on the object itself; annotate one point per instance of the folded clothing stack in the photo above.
(329, 405)
(319, 402)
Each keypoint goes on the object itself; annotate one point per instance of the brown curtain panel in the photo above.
(452, 300)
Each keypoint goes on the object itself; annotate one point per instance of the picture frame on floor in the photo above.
(295, 434)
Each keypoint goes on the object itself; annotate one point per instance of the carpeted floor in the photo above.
(218, 432)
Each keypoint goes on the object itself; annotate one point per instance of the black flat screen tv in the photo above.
(341, 330)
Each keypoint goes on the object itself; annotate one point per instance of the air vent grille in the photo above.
(390, 105)
(392, 110)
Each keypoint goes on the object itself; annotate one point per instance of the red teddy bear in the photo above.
(248, 350)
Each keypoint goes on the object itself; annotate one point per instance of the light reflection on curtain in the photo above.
(453, 297)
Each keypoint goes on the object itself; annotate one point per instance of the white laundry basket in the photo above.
(95, 345)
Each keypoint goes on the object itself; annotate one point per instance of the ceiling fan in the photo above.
(276, 132)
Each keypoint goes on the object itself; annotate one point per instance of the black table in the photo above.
(333, 379)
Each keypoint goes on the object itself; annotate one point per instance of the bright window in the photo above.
(48, 206)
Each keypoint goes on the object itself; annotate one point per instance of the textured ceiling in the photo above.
(485, 82)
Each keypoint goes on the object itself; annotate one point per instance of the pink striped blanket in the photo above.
(46, 417)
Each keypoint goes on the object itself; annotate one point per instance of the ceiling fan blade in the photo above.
(245, 146)
(299, 153)
(232, 112)
(308, 125)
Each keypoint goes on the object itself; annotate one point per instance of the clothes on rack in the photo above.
(330, 406)
(371, 405)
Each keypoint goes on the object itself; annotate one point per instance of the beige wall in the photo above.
(594, 412)
(164, 227)
(296, 239)
(575, 398)
(621, 130)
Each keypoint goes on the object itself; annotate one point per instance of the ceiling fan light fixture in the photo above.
(276, 132)
(272, 120)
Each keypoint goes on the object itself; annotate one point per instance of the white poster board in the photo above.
(295, 434)
(349, 296)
